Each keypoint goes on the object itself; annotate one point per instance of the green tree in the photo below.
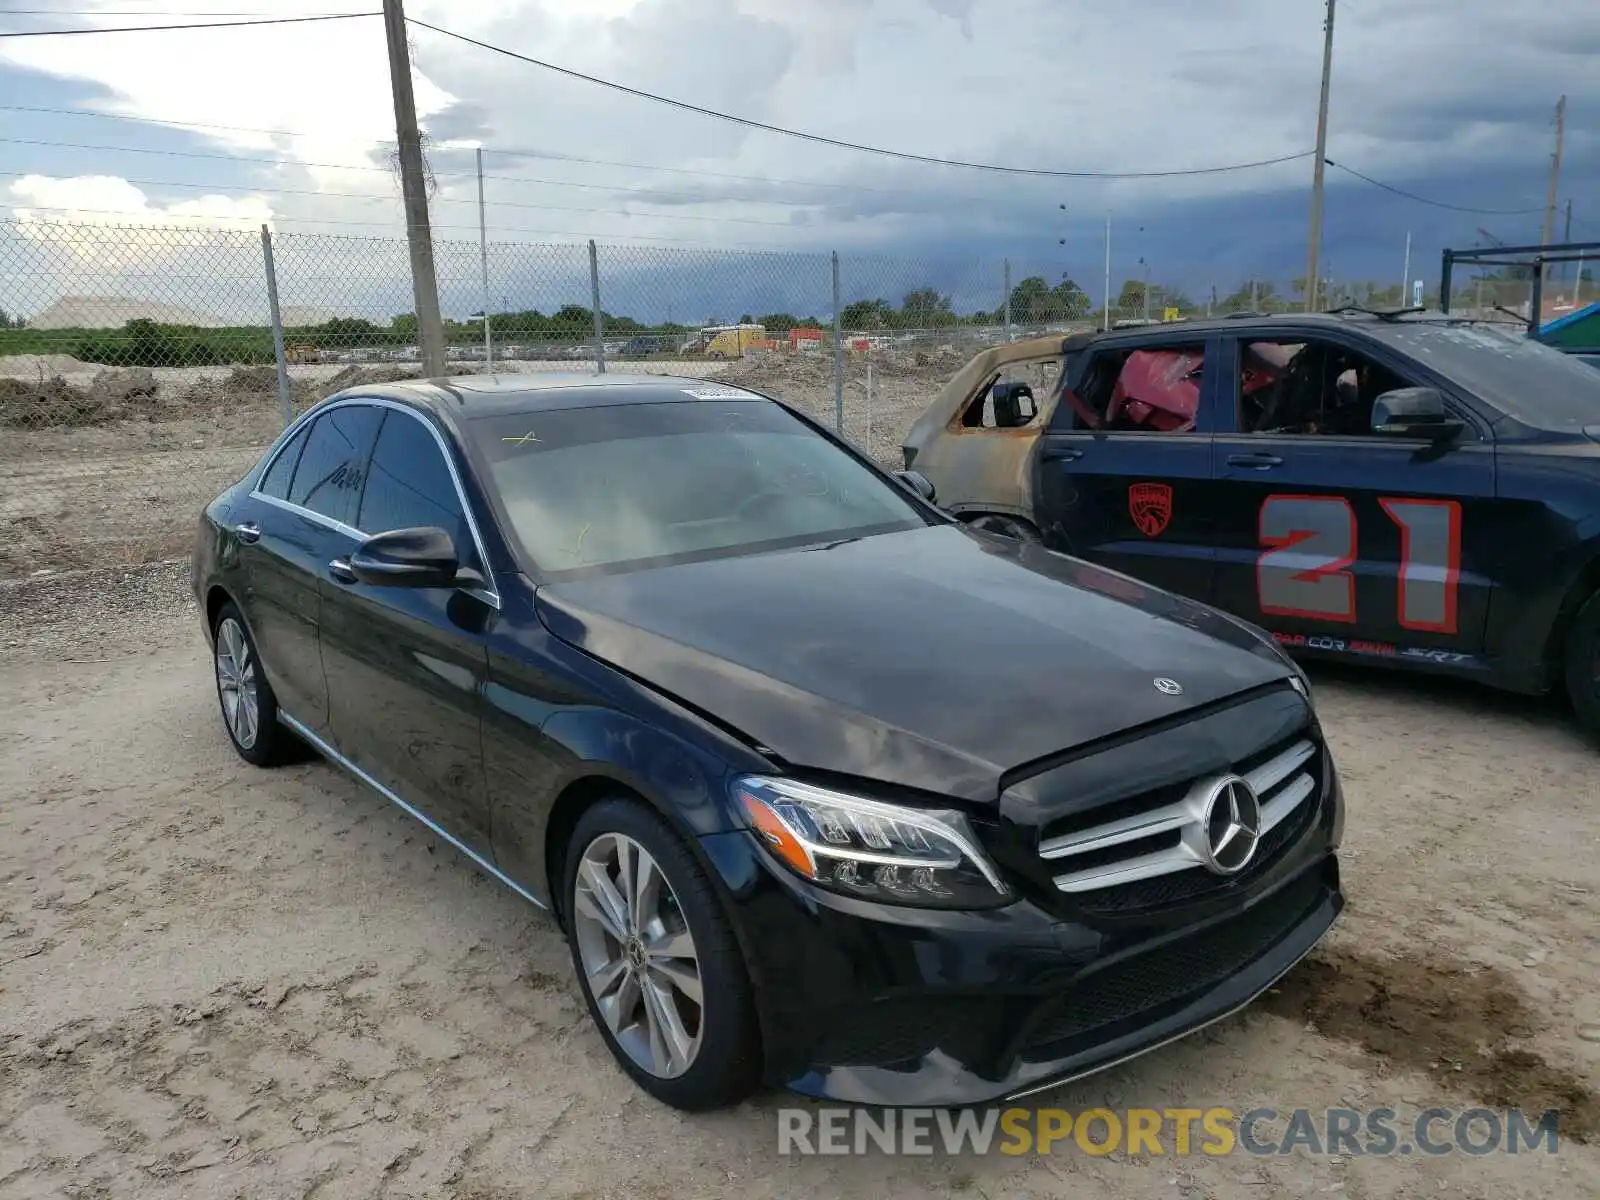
(924, 308)
(779, 322)
(866, 314)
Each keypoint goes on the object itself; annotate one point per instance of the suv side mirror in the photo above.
(1414, 412)
(417, 558)
(917, 482)
(1013, 404)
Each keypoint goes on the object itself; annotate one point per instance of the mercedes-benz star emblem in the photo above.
(1169, 687)
(1232, 825)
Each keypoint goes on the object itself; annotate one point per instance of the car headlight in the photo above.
(866, 848)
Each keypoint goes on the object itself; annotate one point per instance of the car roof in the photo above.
(475, 397)
(1368, 322)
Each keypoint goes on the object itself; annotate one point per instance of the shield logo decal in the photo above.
(1150, 505)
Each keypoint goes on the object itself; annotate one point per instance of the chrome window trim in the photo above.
(340, 760)
(488, 594)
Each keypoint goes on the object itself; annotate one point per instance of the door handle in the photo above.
(247, 532)
(1061, 453)
(339, 568)
(1258, 462)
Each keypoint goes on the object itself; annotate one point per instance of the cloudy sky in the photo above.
(1450, 99)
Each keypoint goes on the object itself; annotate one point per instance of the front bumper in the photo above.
(874, 1004)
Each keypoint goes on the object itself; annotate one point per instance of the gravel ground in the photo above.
(129, 492)
(217, 981)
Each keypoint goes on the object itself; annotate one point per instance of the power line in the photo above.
(196, 25)
(132, 221)
(1461, 208)
(437, 200)
(822, 140)
(130, 12)
(549, 156)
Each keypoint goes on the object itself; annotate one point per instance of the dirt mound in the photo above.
(39, 366)
(248, 381)
(365, 377)
(110, 396)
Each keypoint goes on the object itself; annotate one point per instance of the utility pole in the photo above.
(1107, 322)
(1555, 174)
(1405, 276)
(1315, 247)
(414, 192)
(483, 253)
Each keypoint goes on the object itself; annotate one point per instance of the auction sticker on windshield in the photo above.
(714, 392)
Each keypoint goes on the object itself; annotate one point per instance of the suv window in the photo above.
(1009, 399)
(409, 485)
(1148, 389)
(275, 482)
(334, 461)
(1309, 386)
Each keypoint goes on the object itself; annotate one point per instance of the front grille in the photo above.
(1137, 986)
(1154, 848)
(904, 1029)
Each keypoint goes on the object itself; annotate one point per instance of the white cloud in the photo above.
(1420, 87)
(109, 200)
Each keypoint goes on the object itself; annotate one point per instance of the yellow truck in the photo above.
(731, 341)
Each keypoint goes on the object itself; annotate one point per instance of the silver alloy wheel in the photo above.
(236, 684)
(638, 955)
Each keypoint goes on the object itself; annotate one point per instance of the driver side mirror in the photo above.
(1414, 412)
(917, 482)
(414, 558)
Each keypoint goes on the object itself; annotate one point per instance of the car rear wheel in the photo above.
(656, 957)
(249, 709)
(1583, 665)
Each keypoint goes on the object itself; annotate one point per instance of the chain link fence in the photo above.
(139, 371)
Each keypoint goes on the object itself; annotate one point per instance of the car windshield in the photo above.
(619, 487)
(1522, 377)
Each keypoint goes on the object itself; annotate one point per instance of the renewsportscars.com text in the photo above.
(1165, 1131)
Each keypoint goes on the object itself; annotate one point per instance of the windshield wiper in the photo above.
(1383, 314)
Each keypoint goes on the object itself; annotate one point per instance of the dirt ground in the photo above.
(217, 981)
(128, 491)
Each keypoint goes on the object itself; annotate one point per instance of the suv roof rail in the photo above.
(1237, 316)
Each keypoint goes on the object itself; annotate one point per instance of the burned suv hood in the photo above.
(935, 659)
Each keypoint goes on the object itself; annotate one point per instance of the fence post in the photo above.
(599, 321)
(1536, 299)
(838, 353)
(483, 254)
(285, 406)
(1445, 271)
(1008, 299)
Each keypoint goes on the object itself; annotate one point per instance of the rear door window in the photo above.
(275, 482)
(1148, 389)
(333, 465)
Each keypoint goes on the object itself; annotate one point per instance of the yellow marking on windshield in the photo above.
(520, 441)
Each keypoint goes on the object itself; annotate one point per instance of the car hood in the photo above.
(936, 659)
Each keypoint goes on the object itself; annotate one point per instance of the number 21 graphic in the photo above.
(1311, 542)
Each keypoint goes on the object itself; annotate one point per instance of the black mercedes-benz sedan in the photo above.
(824, 789)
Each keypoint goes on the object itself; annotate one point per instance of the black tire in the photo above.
(726, 1067)
(1583, 665)
(271, 743)
(1009, 527)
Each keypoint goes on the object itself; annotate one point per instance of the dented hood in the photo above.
(935, 659)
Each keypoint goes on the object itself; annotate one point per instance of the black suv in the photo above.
(1406, 489)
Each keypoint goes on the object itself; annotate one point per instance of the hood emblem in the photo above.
(1169, 687)
(1232, 826)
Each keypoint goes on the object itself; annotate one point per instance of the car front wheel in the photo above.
(657, 960)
